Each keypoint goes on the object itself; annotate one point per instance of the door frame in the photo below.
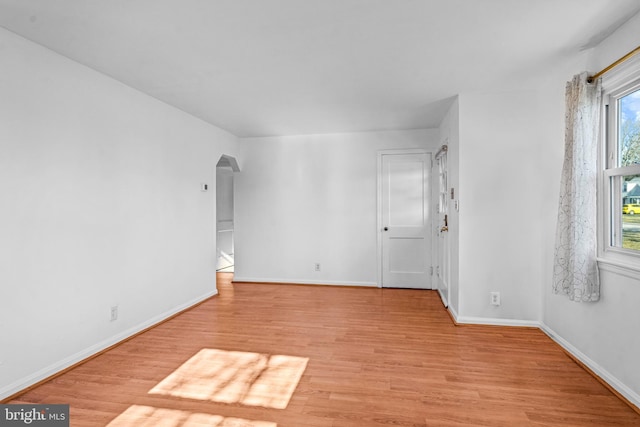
(379, 225)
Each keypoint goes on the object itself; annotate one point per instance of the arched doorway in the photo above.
(225, 169)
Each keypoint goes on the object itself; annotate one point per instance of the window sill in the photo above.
(621, 268)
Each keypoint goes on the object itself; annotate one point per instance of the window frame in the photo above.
(618, 83)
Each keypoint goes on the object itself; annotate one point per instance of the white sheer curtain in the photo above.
(575, 271)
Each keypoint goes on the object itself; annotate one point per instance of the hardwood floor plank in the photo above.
(374, 358)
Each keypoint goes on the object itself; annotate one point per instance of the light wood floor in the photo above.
(376, 357)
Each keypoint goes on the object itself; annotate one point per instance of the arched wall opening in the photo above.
(226, 167)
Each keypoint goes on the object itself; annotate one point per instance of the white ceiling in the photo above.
(283, 67)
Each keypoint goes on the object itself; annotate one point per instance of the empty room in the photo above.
(323, 213)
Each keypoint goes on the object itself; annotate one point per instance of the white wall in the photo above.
(101, 205)
(312, 198)
(606, 333)
(224, 194)
(510, 157)
(504, 143)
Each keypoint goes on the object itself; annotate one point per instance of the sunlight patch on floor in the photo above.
(148, 416)
(221, 376)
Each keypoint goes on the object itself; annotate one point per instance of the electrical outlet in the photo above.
(114, 313)
(317, 266)
(495, 298)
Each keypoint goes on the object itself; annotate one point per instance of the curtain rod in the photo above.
(590, 79)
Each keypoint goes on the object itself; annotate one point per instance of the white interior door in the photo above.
(406, 223)
(442, 230)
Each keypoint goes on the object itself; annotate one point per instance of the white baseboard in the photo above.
(443, 298)
(454, 313)
(605, 375)
(304, 282)
(60, 365)
(467, 320)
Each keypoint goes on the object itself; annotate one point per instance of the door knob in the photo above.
(386, 229)
(445, 228)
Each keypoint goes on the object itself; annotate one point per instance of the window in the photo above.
(621, 169)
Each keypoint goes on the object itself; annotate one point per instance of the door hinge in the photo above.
(431, 271)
